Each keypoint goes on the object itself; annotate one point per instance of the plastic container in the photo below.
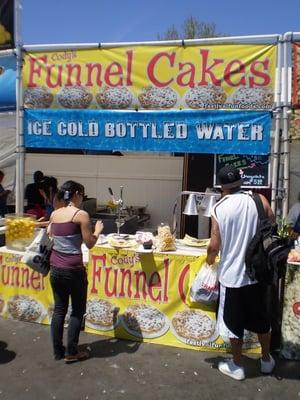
(19, 231)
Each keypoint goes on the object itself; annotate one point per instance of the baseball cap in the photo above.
(229, 177)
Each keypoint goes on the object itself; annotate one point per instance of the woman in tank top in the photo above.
(69, 227)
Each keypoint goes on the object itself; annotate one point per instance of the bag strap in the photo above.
(259, 206)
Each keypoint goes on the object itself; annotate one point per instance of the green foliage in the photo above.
(170, 34)
(192, 28)
(284, 228)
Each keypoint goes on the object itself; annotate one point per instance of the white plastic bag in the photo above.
(205, 287)
(37, 255)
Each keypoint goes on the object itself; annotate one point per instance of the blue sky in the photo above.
(86, 21)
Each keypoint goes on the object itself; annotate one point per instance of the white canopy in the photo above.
(7, 149)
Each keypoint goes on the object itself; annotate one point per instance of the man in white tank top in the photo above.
(242, 302)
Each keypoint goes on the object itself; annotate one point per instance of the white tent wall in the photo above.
(7, 148)
(151, 179)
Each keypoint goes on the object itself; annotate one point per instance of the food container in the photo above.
(19, 231)
(145, 239)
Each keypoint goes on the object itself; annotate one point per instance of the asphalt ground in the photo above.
(119, 369)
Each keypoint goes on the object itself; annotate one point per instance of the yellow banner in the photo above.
(223, 76)
(25, 294)
(145, 297)
(140, 297)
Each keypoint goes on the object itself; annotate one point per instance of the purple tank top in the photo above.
(66, 252)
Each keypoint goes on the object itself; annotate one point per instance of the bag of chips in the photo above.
(165, 241)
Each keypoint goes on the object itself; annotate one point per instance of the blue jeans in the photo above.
(66, 283)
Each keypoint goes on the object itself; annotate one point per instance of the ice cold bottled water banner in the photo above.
(188, 131)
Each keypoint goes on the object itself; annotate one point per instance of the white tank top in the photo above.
(237, 217)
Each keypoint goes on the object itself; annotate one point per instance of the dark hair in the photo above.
(38, 176)
(1, 174)
(46, 183)
(68, 189)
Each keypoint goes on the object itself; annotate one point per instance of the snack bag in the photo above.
(165, 239)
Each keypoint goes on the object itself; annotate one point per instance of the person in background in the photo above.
(3, 196)
(243, 303)
(48, 189)
(35, 201)
(69, 227)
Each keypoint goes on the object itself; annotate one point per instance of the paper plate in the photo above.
(98, 311)
(104, 328)
(146, 335)
(121, 243)
(193, 244)
(193, 341)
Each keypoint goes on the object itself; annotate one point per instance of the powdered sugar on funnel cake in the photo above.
(74, 97)
(194, 327)
(158, 98)
(38, 97)
(145, 321)
(209, 96)
(101, 315)
(114, 98)
(249, 98)
(25, 308)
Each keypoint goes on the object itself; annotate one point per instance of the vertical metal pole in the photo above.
(276, 144)
(285, 124)
(20, 150)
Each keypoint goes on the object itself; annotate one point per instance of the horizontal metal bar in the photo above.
(274, 38)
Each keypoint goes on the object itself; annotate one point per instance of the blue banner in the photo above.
(184, 131)
(7, 83)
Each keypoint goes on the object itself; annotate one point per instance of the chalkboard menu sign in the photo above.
(253, 169)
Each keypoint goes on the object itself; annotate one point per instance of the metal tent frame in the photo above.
(281, 109)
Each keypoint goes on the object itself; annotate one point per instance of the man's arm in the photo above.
(215, 242)
(267, 207)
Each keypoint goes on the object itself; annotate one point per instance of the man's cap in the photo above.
(229, 177)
